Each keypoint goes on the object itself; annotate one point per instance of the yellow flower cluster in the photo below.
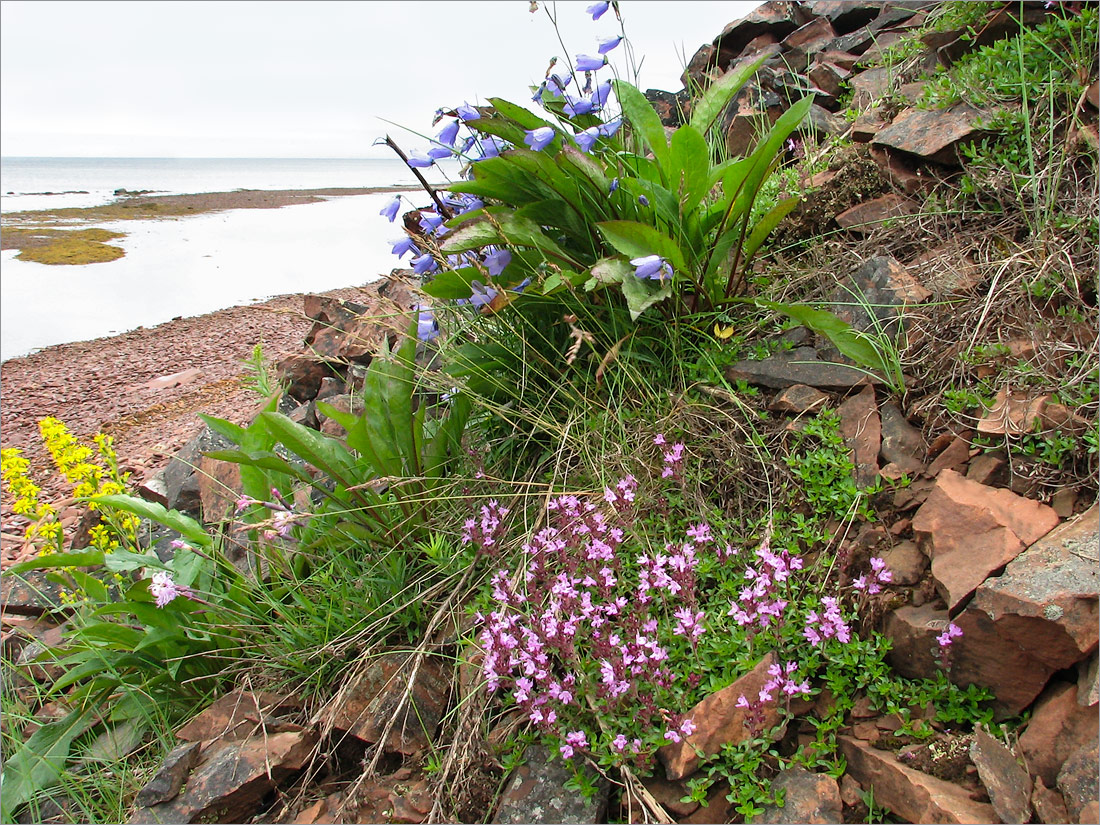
(44, 524)
(93, 473)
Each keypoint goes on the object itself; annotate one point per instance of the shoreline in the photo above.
(109, 385)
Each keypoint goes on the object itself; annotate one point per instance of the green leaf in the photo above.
(524, 117)
(36, 765)
(641, 294)
(184, 525)
(452, 284)
(324, 453)
(638, 240)
(843, 336)
(612, 271)
(76, 558)
(265, 461)
(765, 226)
(718, 95)
(122, 561)
(646, 122)
(233, 432)
(690, 158)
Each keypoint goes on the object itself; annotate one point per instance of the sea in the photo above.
(197, 264)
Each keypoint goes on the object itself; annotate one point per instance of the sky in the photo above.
(280, 78)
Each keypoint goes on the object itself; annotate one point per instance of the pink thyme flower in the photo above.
(950, 633)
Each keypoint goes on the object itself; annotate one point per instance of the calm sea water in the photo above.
(93, 181)
(194, 265)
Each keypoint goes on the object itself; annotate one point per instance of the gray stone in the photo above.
(1008, 784)
(1077, 780)
(180, 481)
(811, 798)
(901, 441)
(798, 366)
(874, 297)
(170, 776)
(537, 793)
(933, 134)
(1088, 682)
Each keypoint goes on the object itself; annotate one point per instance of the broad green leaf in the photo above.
(642, 294)
(843, 336)
(184, 525)
(711, 103)
(638, 240)
(233, 432)
(473, 235)
(75, 558)
(451, 284)
(646, 122)
(524, 117)
(690, 166)
(36, 764)
(612, 271)
(123, 561)
(765, 226)
(265, 461)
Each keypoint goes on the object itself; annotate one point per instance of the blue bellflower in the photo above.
(587, 139)
(448, 133)
(611, 127)
(597, 10)
(440, 152)
(609, 43)
(466, 112)
(589, 63)
(603, 91)
(538, 139)
(418, 160)
(424, 264)
(577, 106)
(389, 211)
(427, 328)
(496, 261)
(402, 246)
(653, 267)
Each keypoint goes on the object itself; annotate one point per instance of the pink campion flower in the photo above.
(742, 702)
(687, 727)
(244, 502)
(164, 589)
(619, 743)
(673, 735)
(860, 583)
(577, 738)
(659, 439)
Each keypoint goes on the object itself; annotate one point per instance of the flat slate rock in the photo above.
(537, 793)
(798, 366)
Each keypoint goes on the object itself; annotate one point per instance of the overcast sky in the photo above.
(296, 79)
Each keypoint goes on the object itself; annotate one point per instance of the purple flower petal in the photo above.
(653, 267)
(426, 326)
(597, 10)
(538, 139)
(440, 152)
(588, 63)
(611, 127)
(424, 264)
(603, 91)
(448, 133)
(402, 246)
(418, 160)
(496, 261)
(587, 139)
(389, 211)
(577, 106)
(467, 112)
(609, 43)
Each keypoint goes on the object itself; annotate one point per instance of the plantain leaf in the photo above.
(184, 525)
(647, 124)
(642, 294)
(844, 337)
(690, 159)
(719, 93)
(637, 240)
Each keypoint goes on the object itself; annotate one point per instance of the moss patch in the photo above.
(61, 246)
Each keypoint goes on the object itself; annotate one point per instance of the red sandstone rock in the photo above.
(718, 722)
(862, 430)
(812, 798)
(1058, 727)
(915, 796)
(870, 215)
(798, 398)
(1008, 784)
(933, 134)
(969, 530)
